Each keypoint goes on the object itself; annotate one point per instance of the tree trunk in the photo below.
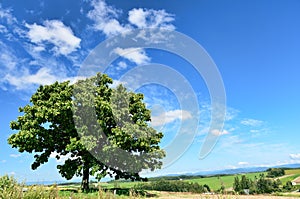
(85, 177)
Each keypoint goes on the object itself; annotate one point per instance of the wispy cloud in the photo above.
(135, 55)
(6, 15)
(243, 163)
(295, 156)
(15, 155)
(217, 132)
(251, 122)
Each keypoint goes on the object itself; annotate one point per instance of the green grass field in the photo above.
(215, 182)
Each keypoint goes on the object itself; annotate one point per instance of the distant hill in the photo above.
(235, 171)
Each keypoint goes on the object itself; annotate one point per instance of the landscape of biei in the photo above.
(149, 99)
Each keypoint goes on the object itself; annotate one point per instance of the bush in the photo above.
(260, 185)
(174, 186)
(275, 172)
(10, 188)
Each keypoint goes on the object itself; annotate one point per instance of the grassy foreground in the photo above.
(11, 189)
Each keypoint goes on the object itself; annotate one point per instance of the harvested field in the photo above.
(173, 195)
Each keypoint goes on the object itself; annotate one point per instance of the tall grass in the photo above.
(10, 188)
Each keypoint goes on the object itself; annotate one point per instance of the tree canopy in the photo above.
(98, 129)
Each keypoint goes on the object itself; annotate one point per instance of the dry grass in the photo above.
(173, 195)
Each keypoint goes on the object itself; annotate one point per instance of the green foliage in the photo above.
(275, 172)
(260, 185)
(288, 186)
(174, 186)
(11, 189)
(89, 123)
(215, 182)
(236, 185)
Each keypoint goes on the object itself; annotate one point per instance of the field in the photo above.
(169, 195)
(290, 174)
(216, 182)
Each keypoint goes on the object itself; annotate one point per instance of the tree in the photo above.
(93, 126)
(236, 184)
(275, 172)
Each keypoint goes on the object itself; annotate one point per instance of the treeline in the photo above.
(173, 186)
(259, 185)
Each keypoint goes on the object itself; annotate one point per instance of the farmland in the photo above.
(106, 189)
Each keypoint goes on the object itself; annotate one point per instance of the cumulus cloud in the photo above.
(105, 18)
(56, 33)
(170, 116)
(135, 55)
(251, 122)
(149, 18)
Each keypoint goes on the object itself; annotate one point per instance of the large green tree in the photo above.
(99, 130)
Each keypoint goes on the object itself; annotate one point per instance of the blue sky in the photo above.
(254, 44)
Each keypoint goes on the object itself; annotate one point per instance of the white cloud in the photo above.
(231, 113)
(251, 122)
(62, 158)
(55, 33)
(43, 77)
(7, 59)
(136, 55)
(170, 116)
(3, 29)
(243, 163)
(144, 18)
(295, 156)
(6, 15)
(104, 18)
(217, 132)
(122, 65)
(15, 155)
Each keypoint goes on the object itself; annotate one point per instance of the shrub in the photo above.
(275, 172)
(174, 186)
(10, 188)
